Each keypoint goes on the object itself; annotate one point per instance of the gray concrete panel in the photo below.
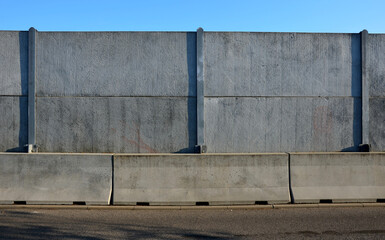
(13, 63)
(32, 37)
(56, 178)
(365, 88)
(13, 123)
(116, 64)
(376, 64)
(340, 177)
(116, 124)
(282, 124)
(200, 88)
(282, 64)
(165, 179)
(377, 124)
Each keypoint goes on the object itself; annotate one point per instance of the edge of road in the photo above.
(228, 207)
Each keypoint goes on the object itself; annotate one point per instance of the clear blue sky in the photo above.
(178, 15)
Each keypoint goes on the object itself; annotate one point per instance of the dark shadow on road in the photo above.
(25, 225)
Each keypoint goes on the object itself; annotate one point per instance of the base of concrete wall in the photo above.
(337, 177)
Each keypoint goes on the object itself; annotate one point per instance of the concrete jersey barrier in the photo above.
(339, 177)
(185, 179)
(188, 179)
(55, 178)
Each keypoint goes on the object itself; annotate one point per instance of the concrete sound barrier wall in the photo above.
(13, 90)
(340, 177)
(137, 92)
(376, 72)
(116, 92)
(282, 92)
(55, 178)
(184, 179)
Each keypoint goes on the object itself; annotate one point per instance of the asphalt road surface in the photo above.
(300, 223)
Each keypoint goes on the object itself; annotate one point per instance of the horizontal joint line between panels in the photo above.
(13, 95)
(282, 96)
(116, 96)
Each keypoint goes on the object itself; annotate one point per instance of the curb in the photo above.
(232, 207)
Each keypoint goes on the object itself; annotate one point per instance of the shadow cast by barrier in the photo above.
(356, 92)
(23, 99)
(192, 89)
(26, 224)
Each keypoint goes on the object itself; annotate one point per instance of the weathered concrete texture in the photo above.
(55, 178)
(341, 177)
(13, 123)
(186, 179)
(377, 124)
(116, 64)
(200, 91)
(13, 63)
(376, 64)
(282, 64)
(116, 124)
(282, 124)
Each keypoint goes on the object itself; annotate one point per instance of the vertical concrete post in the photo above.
(31, 90)
(201, 148)
(365, 146)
